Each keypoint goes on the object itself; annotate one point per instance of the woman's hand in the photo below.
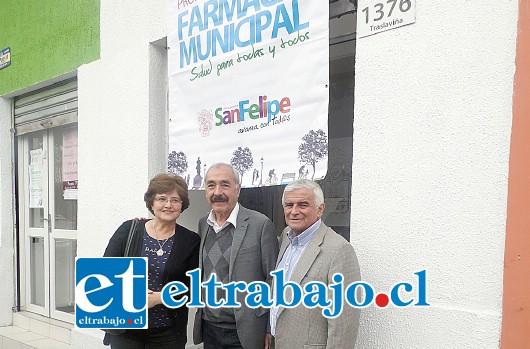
(268, 341)
(153, 298)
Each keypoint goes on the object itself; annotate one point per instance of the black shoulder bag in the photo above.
(132, 231)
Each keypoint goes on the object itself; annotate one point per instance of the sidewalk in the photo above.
(32, 333)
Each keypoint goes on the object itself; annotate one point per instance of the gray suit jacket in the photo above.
(253, 256)
(326, 254)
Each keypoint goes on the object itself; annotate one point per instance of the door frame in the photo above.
(48, 232)
(26, 233)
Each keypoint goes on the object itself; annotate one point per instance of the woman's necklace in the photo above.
(160, 251)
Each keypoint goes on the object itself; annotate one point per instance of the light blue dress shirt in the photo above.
(290, 258)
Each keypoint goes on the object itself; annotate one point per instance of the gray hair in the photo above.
(305, 184)
(223, 164)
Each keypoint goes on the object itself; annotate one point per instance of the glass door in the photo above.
(48, 219)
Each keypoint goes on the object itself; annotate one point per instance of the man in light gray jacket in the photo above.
(310, 251)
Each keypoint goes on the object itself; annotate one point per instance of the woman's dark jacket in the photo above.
(184, 256)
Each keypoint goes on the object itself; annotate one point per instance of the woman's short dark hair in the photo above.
(164, 183)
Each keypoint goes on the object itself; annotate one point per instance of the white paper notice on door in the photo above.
(70, 174)
(36, 190)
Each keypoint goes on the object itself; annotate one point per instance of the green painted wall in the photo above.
(47, 38)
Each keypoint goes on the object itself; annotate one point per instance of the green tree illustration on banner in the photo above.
(313, 148)
(177, 163)
(242, 160)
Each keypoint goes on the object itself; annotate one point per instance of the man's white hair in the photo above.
(305, 184)
(223, 164)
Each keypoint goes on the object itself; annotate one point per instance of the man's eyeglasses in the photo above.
(163, 200)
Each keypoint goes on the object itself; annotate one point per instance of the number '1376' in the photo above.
(379, 8)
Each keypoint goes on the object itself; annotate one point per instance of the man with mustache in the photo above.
(237, 244)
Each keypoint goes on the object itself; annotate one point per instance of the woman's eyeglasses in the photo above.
(163, 200)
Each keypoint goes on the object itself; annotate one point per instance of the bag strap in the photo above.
(130, 237)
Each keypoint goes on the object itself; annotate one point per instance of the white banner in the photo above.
(248, 85)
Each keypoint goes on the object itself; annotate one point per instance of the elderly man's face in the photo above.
(300, 209)
(221, 191)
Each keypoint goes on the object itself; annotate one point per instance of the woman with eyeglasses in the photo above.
(172, 250)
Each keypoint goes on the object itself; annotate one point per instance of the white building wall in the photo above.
(115, 107)
(431, 148)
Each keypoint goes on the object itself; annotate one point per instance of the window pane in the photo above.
(37, 180)
(65, 252)
(37, 271)
(337, 183)
(65, 177)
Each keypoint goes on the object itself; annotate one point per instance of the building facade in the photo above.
(429, 154)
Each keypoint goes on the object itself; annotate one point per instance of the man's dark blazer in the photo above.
(252, 258)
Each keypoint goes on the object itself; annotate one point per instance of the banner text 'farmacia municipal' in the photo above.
(219, 26)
